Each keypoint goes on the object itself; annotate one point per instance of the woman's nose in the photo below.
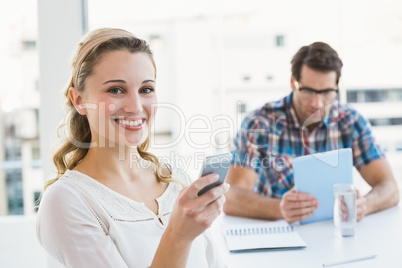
(133, 104)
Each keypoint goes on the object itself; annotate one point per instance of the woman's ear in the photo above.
(76, 99)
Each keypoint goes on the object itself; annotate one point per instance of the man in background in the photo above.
(309, 119)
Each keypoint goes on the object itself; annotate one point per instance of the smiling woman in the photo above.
(101, 211)
(126, 100)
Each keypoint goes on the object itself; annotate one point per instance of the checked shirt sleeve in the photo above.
(365, 149)
(252, 142)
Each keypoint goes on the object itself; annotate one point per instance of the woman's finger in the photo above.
(213, 194)
(196, 186)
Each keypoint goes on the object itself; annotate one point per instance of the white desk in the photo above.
(379, 233)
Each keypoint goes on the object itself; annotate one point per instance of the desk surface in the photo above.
(379, 234)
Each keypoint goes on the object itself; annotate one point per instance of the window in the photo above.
(280, 41)
(351, 96)
(386, 121)
(374, 95)
(29, 44)
(19, 106)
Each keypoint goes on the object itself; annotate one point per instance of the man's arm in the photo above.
(384, 192)
(242, 201)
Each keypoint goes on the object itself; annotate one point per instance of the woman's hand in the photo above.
(193, 214)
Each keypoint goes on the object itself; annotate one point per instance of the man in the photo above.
(308, 120)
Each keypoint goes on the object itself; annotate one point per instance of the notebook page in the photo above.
(261, 235)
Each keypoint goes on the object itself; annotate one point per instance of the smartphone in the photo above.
(218, 164)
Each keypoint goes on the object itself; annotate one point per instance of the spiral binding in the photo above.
(259, 230)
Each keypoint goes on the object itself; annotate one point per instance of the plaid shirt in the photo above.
(270, 137)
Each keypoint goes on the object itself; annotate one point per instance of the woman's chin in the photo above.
(134, 140)
(134, 144)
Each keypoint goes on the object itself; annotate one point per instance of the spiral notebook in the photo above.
(243, 234)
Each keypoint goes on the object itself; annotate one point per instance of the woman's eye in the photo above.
(146, 90)
(115, 90)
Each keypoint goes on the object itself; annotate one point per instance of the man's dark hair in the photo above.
(318, 56)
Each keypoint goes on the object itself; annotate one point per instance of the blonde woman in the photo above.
(103, 209)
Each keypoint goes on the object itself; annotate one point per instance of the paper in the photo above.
(258, 235)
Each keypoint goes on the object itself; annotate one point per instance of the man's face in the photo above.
(307, 103)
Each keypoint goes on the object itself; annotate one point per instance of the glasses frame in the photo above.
(315, 91)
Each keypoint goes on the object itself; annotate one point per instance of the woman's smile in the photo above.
(132, 123)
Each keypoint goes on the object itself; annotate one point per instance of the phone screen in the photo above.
(218, 164)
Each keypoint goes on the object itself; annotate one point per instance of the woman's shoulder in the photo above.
(62, 198)
(60, 185)
(68, 182)
(64, 189)
(73, 187)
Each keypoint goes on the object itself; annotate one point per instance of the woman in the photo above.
(103, 210)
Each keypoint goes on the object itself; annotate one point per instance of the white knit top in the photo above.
(83, 223)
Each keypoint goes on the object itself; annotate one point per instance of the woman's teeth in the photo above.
(132, 123)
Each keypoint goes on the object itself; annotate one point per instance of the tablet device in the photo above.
(317, 173)
(218, 164)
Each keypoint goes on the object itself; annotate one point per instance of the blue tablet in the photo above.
(317, 173)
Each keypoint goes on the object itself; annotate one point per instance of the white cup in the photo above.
(345, 209)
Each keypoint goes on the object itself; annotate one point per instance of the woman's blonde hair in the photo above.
(90, 50)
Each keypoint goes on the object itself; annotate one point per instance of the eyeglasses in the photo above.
(309, 93)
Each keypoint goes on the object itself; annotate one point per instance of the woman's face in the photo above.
(120, 99)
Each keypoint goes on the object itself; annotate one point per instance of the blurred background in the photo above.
(217, 61)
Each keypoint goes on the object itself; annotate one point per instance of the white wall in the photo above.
(18, 245)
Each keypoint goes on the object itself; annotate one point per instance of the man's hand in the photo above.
(361, 206)
(297, 206)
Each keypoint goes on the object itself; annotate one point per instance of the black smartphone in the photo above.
(218, 164)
